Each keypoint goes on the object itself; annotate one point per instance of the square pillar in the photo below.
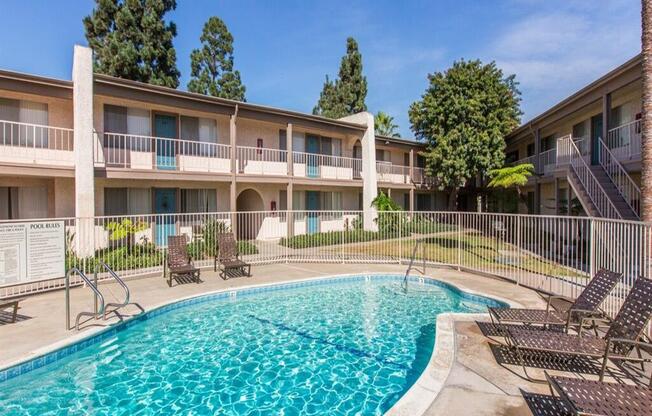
(289, 203)
(288, 141)
(84, 137)
(369, 174)
(537, 150)
(411, 199)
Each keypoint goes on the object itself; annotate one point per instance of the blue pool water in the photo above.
(345, 347)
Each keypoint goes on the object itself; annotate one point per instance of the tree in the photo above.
(346, 95)
(383, 202)
(513, 177)
(212, 65)
(646, 123)
(463, 117)
(131, 40)
(385, 125)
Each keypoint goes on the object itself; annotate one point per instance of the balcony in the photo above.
(388, 172)
(310, 165)
(36, 144)
(128, 151)
(624, 141)
(261, 161)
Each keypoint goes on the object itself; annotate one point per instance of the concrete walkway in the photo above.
(477, 384)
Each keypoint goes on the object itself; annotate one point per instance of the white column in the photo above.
(82, 78)
(369, 182)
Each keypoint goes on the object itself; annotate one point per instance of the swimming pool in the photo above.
(345, 345)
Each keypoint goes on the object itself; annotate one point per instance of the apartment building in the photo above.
(586, 150)
(103, 146)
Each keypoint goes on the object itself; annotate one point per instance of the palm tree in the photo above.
(512, 177)
(646, 123)
(385, 125)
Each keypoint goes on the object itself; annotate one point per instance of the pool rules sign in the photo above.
(32, 251)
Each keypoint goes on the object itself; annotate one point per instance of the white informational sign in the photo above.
(32, 251)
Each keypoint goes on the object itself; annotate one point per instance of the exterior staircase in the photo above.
(604, 190)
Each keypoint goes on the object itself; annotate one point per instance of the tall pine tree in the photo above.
(346, 95)
(212, 65)
(131, 40)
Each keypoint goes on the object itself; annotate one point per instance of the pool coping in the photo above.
(420, 395)
(425, 390)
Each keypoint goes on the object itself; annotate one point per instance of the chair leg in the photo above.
(15, 313)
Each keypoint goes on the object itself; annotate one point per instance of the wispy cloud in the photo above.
(554, 53)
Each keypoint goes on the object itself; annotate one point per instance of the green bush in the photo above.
(120, 258)
(330, 238)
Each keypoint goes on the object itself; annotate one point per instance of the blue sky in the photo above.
(284, 49)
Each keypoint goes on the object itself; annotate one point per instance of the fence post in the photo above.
(518, 247)
(400, 240)
(459, 241)
(592, 247)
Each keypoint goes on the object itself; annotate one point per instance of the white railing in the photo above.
(313, 165)
(625, 141)
(557, 254)
(533, 160)
(261, 161)
(420, 177)
(388, 172)
(131, 151)
(36, 144)
(548, 161)
(621, 179)
(569, 151)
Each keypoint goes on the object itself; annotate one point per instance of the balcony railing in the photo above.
(548, 161)
(388, 172)
(36, 144)
(626, 187)
(132, 151)
(420, 177)
(625, 141)
(261, 161)
(311, 165)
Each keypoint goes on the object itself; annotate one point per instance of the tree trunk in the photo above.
(646, 123)
(452, 199)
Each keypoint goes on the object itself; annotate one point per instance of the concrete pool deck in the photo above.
(475, 384)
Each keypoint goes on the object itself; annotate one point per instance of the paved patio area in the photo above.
(477, 384)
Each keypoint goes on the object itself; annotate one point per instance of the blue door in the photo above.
(596, 134)
(312, 205)
(165, 204)
(312, 149)
(166, 155)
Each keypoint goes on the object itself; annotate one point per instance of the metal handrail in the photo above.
(103, 265)
(628, 190)
(93, 287)
(411, 264)
(591, 188)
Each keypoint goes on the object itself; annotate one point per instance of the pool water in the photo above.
(338, 348)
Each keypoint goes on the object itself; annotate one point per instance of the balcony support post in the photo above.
(606, 111)
(289, 203)
(233, 188)
(412, 199)
(288, 141)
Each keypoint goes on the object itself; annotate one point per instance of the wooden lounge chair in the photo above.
(590, 397)
(623, 336)
(10, 304)
(179, 263)
(227, 257)
(586, 304)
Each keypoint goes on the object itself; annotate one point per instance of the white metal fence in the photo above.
(625, 141)
(551, 253)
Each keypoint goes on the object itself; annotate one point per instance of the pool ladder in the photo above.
(99, 305)
(418, 243)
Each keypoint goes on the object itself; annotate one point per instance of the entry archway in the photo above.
(248, 222)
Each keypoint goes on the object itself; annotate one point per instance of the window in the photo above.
(382, 155)
(406, 159)
(406, 201)
(511, 156)
(581, 130)
(299, 200)
(198, 200)
(127, 201)
(530, 149)
(424, 202)
(331, 201)
(283, 200)
(23, 202)
(283, 139)
(203, 130)
(298, 142)
(548, 143)
(259, 145)
(127, 121)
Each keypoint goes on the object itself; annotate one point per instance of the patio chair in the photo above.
(586, 304)
(623, 336)
(590, 397)
(227, 257)
(10, 304)
(179, 264)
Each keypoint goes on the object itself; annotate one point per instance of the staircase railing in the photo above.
(568, 149)
(624, 183)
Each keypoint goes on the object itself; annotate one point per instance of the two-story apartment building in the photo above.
(104, 146)
(586, 149)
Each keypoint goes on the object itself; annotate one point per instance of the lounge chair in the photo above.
(623, 336)
(227, 257)
(586, 304)
(179, 263)
(590, 397)
(10, 304)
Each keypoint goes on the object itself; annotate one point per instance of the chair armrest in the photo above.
(559, 297)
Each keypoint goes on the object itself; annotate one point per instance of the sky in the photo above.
(285, 48)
